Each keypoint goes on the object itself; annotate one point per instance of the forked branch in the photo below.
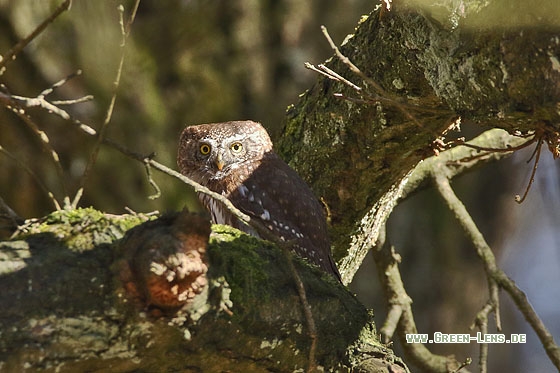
(494, 273)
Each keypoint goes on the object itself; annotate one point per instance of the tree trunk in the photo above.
(420, 72)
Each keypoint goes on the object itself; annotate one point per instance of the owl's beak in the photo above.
(219, 162)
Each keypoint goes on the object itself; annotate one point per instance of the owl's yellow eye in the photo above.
(204, 149)
(236, 147)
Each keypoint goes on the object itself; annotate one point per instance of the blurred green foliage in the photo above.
(187, 62)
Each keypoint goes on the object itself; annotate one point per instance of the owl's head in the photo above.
(213, 151)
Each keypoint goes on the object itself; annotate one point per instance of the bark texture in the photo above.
(67, 305)
(431, 67)
(64, 307)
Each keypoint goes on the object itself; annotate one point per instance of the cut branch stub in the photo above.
(165, 260)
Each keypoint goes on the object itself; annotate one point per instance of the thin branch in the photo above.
(43, 139)
(523, 304)
(317, 70)
(492, 306)
(42, 102)
(33, 176)
(10, 214)
(400, 304)
(509, 149)
(334, 75)
(307, 312)
(496, 274)
(125, 32)
(481, 321)
(157, 190)
(10, 101)
(16, 49)
(398, 300)
(459, 159)
(519, 199)
(60, 83)
(345, 60)
(74, 204)
(377, 88)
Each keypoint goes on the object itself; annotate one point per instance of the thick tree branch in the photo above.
(447, 165)
(415, 76)
(251, 308)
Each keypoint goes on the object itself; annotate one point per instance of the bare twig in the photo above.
(17, 104)
(523, 304)
(14, 218)
(350, 64)
(376, 87)
(43, 139)
(508, 149)
(338, 77)
(459, 159)
(33, 175)
(496, 274)
(519, 199)
(74, 204)
(200, 189)
(541, 135)
(60, 83)
(400, 316)
(16, 49)
(307, 312)
(317, 70)
(11, 101)
(157, 190)
(42, 102)
(398, 300)
(481, 322)
(125, 32)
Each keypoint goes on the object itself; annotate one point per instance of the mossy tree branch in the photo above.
(67, 307)
(434, 70)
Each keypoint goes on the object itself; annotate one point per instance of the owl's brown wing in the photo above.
(276, 195)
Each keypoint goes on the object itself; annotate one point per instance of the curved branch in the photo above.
(493, 272)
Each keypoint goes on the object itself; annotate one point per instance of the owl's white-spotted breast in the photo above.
(236, 159)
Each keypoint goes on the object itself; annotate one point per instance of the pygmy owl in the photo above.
(236, 160)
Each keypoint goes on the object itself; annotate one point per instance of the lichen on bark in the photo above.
(66, 309)
(354, 148)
